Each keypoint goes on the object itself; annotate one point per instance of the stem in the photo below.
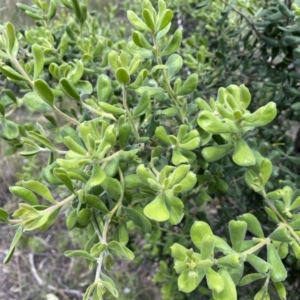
(57, 151)
(166, 81)
(11, 111)
(59, 204)
(245, 17)
(98, 112)
(258, 246)
(137, 136)
(111, 213)
(290, 229)
(21, 70)
(105, 228)
(66, 116)
(273, 207)
(103, 241)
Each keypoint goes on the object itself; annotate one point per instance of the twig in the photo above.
(245, 17)
(50, 287)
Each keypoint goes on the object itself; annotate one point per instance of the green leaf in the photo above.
(76, 73)
(271, 214)
(148, 19)
(258, 264)
(10, 129)
(64, 177)
(12, 39)
(44, 222)
(199, 231)
(253, 225)
(69, 89)
(113, 60)
(10, 73)
(237, 231)
(35, 103)
(84, 217)
(40, 189)
(38, 60)
(143, 104)
(83, 87)
(138, 219)
(95, 202)
(122, 76)
(142, 52)
(120, 250)
(229, 291)
(79, 253)
(144, 174)
(214, 153)
(245, 96)
(104, 88)
(178, 174)
(174, 64)
(44, 91)
(281, 234)
(111, 108)
(3, 215)
(280, 290)
(189, 280)
(43, 140)
(221, 245)
(132, 181)
(262, 116)
(109, 284)
(249, 278)
(165, 19)
(24, 194)
(189, 85)
(139, 80)
(214, 280)
(113, 187)
(74, 146)
(175, 207)
(278, 271)
(162, 135)
(207, 246)
(157, 209)
(97, 177)
(124, 134)
(266, 169)
(178, 252)
(140, 40)
(243, 155)
(230, 261)
(174, 43)
(136, 21)
(152, 91)
(211, 124)
(13, 244)
(112, 166)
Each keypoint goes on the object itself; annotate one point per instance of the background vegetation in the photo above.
(242, 42)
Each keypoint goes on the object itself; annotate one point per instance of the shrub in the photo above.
(133, 149)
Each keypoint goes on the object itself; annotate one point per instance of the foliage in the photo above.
(133, 148)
